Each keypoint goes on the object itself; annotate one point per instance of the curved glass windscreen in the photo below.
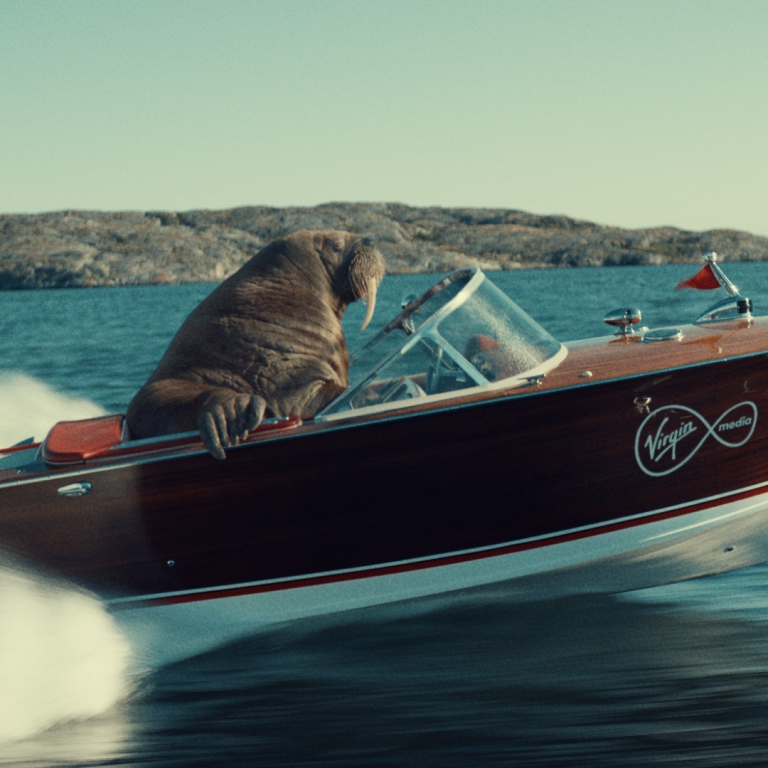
(463, 333)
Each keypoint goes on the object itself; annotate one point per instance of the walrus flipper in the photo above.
(227, 417)
(223, 416)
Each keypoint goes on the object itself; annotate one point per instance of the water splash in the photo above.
(61, 656)
(29, 408)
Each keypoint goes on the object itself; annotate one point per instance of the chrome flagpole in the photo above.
(711, 257)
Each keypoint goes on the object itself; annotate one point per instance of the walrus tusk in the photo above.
(370, 297)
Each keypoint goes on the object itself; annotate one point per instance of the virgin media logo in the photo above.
(671, 436)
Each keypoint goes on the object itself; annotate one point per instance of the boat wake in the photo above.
(30, 408)
(61, 656)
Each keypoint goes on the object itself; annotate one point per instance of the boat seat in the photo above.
(491, 358)
(72, 442)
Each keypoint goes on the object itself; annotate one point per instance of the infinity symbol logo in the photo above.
(671, 436)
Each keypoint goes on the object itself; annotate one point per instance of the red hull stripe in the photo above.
(385, 570)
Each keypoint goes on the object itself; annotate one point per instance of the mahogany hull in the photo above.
(460, 483)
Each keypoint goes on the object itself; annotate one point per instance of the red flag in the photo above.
(703, 280)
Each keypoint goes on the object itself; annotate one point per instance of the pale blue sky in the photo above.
(627, 113)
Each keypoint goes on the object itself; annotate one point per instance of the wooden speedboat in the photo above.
(471, 451)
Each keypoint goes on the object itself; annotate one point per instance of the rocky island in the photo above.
(91, 248)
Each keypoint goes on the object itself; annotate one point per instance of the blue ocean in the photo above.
(670, 676)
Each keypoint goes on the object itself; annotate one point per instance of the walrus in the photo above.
(267, 342)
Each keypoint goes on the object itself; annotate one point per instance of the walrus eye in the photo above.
(337, 244)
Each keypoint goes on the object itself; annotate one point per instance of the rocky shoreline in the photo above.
(90, 248)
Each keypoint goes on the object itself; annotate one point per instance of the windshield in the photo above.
(463, 333)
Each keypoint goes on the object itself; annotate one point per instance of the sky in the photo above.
(628, 113)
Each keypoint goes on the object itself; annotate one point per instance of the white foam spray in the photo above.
(29, 408)
(62, 657)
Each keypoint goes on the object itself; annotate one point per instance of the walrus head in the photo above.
(360, 269)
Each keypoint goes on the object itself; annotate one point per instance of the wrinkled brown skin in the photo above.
(267, 342)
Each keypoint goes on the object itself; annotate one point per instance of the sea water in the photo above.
(665, 676)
